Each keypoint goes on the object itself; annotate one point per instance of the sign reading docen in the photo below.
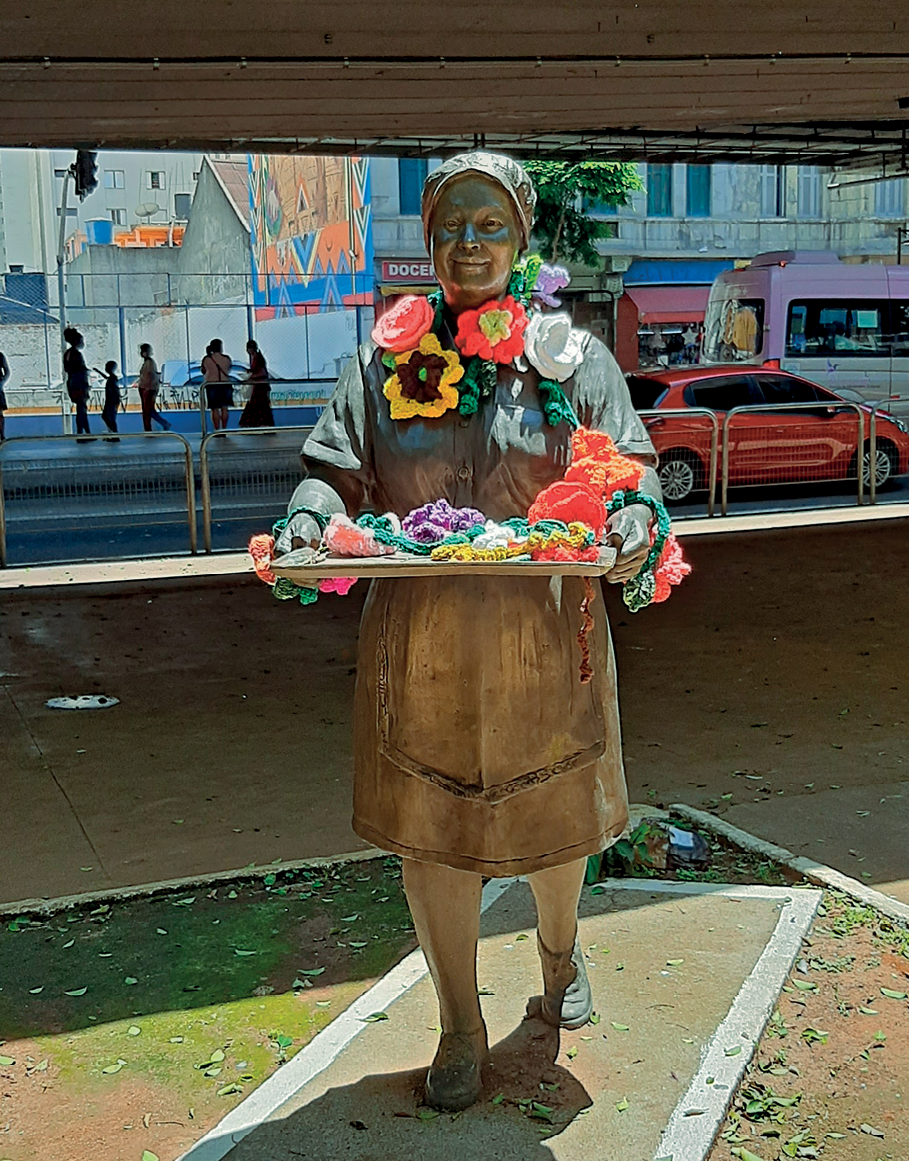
(406, 270)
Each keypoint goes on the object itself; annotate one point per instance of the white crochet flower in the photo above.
(553, 346)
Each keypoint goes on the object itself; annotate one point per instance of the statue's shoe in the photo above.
(567, 1002)
(455, 1077)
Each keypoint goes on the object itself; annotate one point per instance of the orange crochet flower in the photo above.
(261, 547)
(493, 331)
(597, 463)
(403, 325)
(672, 568)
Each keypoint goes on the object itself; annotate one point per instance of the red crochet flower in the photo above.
(493, 331)
(261, 549)
(567, 501)
(564, 552)
(403, 325)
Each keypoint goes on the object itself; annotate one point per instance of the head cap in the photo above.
(509, 174)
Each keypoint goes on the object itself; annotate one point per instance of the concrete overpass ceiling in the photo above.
(813, 81)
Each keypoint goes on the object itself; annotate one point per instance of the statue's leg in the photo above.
(445, 905)
(567, 1000)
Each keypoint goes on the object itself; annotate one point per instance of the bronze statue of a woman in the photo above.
(477, 751)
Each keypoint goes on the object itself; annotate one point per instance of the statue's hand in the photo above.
(628, 531)
(301, 531)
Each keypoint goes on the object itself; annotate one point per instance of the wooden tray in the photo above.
(294, 565)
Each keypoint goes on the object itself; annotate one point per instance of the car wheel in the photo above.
(885, 464)
(680, 474)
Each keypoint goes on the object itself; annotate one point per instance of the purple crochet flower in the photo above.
(549, 280)
(435, 521)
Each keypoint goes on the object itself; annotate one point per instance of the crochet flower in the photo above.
(261, 547)
(549, 280)
(435, 521)
(494, 331)
(424, 381)
(569, 502)
(337, 584)
(344, 538)
(403, 325)
(672, 568)
(553, 346)
(597, 462)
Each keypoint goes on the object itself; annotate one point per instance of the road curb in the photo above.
(147, 890)
(815, 872)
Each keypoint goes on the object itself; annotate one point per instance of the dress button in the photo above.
(464, 473)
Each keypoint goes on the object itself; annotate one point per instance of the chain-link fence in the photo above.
(178, 315)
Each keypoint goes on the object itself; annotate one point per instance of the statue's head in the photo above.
(477, 215)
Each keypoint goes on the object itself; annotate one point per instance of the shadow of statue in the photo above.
(526, 1099)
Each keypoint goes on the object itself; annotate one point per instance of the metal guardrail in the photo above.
(205, 462)
(304, 400)
(872, 443)
(690, 413)
(11, 444)
(772, 409)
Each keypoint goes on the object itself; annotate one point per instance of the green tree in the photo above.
(566, 191)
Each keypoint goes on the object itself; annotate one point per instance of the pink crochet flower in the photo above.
(345, 538)
(337, 584)
(671, 569)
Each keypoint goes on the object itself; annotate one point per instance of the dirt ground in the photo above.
(831, 1075)
(771, 688)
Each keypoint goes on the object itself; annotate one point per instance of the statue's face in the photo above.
(474, 234)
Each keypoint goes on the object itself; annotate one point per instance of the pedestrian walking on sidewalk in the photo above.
(257, 412)
(76, 373)
(218, 390)
(149, 384)
(111, 395)
(4, 375)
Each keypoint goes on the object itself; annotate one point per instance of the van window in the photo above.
(720, 394)
(899, 327)
(733, 329)
(841, 327)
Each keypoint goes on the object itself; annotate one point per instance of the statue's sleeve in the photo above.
(603, 403)
(338, 454)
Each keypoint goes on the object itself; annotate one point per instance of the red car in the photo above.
(788, 446)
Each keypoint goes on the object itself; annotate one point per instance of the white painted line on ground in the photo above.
(801, 518)
(320, 1052)
(126, 571)
(697, 1117)
(816, 872)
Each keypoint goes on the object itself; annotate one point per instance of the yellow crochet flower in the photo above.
(424, 381)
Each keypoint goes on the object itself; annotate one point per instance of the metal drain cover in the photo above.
(85, 701)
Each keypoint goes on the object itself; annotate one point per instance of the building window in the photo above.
(114, 179)
(118, 217)
(773, 191)
(659, 191)
(156, 179)
(698, 191)
(889, 198)
(411, 175)
(182, 202)
(71, 211)
(809, 191)
(60, 172)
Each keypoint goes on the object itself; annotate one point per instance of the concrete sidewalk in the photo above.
(684, 978)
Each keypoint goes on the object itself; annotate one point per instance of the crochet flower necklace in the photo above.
(427, 380)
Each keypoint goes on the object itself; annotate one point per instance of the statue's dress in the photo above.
(476, 745)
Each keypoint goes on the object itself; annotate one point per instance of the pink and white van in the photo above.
(845, 326)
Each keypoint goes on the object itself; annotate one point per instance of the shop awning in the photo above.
(669, 304)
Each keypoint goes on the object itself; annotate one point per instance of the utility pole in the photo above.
(84, 173)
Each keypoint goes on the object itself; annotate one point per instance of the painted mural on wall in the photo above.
(311, 233)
